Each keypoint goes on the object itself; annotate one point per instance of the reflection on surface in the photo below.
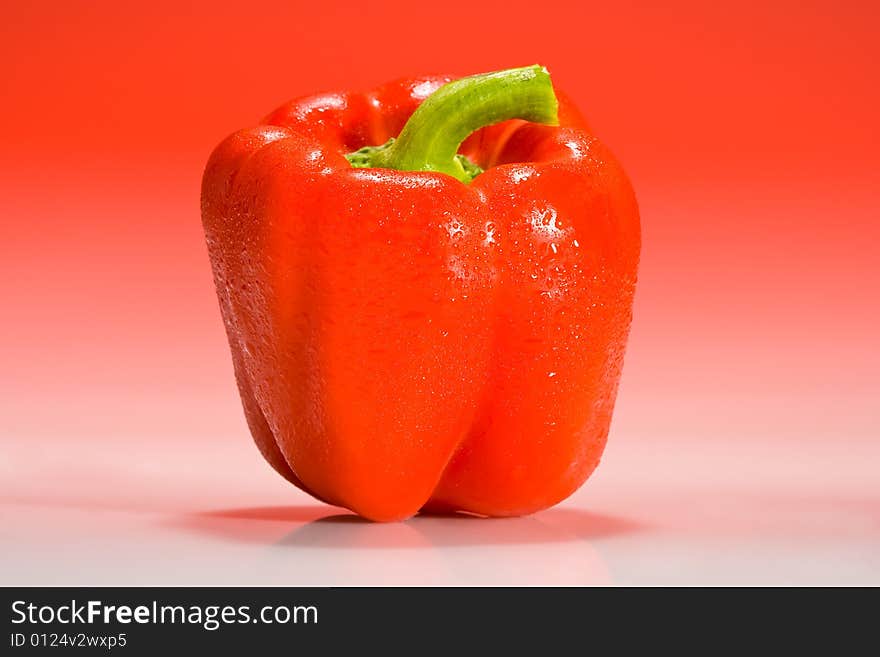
(322, 526)
(424, 550)
(691, 512)
(552, 526)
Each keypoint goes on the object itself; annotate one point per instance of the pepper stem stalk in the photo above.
(431, 138)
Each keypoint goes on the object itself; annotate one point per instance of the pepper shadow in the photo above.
(317, 526)
(261, 525)
(553, 526)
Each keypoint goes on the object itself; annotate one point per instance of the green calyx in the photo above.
(431, 138)
(365, 158)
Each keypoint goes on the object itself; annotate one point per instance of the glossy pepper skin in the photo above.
(404, 341)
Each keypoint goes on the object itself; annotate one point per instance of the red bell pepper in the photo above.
(436, 322)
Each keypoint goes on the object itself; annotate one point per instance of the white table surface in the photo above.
(657, 512)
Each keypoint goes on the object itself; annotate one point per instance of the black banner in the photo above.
(412, 620)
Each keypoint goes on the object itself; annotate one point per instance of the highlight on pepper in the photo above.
(427, 290)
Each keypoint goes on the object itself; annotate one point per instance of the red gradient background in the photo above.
(749, 129)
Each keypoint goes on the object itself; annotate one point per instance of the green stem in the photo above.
(431, 138)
